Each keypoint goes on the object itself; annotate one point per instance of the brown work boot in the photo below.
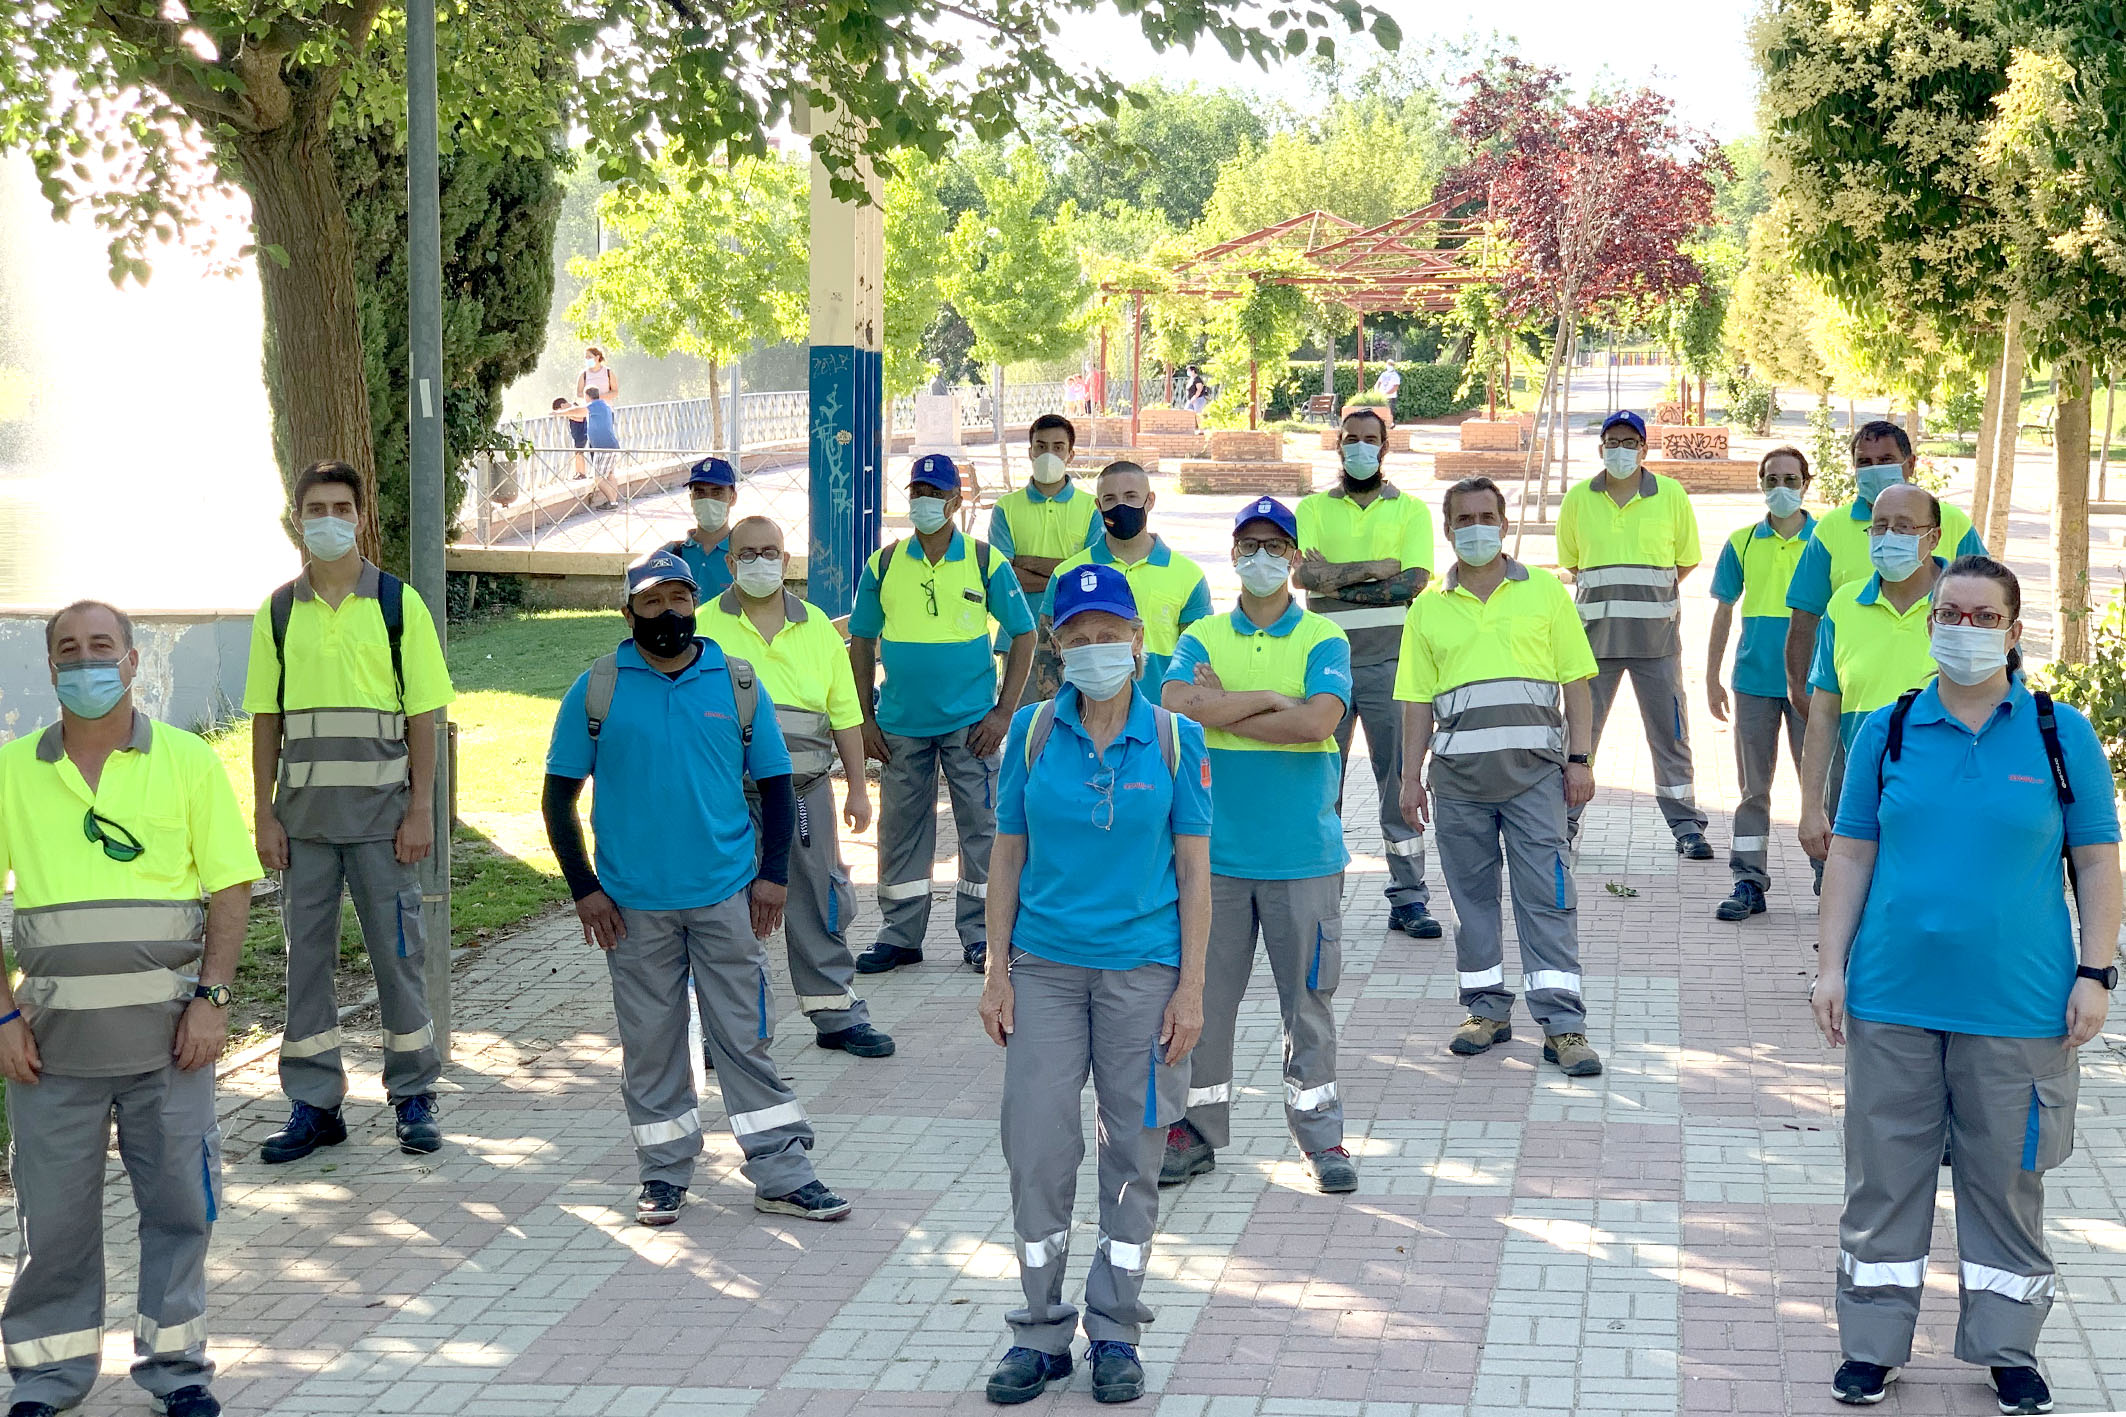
(1573, 1054)
(1478, 1034)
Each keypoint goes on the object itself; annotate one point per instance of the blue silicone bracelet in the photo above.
(10, 1018)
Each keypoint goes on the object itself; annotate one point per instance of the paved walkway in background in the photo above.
(1660, 1240)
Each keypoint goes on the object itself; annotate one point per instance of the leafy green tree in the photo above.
(709, 261)
(1161, 153)
(915, 233)
(1258, 330)
(1365, 161)
(1774, 322)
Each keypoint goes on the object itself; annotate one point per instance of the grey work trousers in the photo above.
(651, 966)
(1373, 701)
(1300, 925)
(1658, 684)
(1070, 1022)
(815, 922)
(908, 833)
(387, 902)
(1530, 828)
(1759, 724)
(170, 1145)
(2004, 1107)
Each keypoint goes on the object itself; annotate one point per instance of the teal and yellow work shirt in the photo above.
(1868, 652)
(932, 625)
(1625, 560)
(1755, 565)
(711, 568)
(1170, 591)
(1391, 527)
(1030, 522)
(1837, 553)
(1966, 926)
(1491, 669)
(668, 803)
(1277, 819)
(1081, 813)
(108, 949)
(805, 668)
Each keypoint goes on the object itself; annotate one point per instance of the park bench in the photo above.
(2040, 430)
(1321, 408)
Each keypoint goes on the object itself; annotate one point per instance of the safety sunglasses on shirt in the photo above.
(117, 843)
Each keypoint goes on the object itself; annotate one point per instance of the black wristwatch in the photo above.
(2108, 976)
(219, 995)
(1583, 759)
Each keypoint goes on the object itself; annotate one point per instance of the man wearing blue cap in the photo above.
(923, 608)
(1269, 682)
(1629, 537)
(671, 727)
(712, 484)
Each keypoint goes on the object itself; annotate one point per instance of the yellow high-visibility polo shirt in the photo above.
(1394, 526)
(1625, 561)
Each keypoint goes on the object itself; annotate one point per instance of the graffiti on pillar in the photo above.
(833, 455)
(1695, 444)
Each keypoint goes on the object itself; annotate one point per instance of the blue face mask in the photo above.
(91, 688)
(1099, 672)
(1895, 556)
(1871, 482)
(927, 513)
(328, 538)
(1620, 462)
(1782, 501)
(1477, 544)
(1361, 461)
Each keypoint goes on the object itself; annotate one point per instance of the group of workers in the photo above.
(1071, 681)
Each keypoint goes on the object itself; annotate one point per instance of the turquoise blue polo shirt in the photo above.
(1814, 578)
(712, 569)
(1966, 928)
(1755, 567)
(1277, 819)
(668, 807)
(1170, 591)
(932, 625)
(1098, 888)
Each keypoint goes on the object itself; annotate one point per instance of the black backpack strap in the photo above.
(1894, 745)
(280, 608)
(391, 599)
(2048, 728)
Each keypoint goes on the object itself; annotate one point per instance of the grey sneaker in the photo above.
(811, 1201)
(1334, 1171)
(1187, 1154)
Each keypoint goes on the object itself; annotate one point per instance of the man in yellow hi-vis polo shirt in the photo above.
(1875, 641)
(924, 608)
(1170, 590)
(1039, 526)
(345, 687)
(1485, 662)
(1629, 537)
(115, 826)
(804, 666)
(1368, 553)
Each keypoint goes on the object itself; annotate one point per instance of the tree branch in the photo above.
(156, 43)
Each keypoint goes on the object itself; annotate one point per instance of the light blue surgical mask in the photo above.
(1871, 482)
(1477, 544)
(1262, 574)
(1361, 461)
(1894, 555)
(328, 538)
(927, 513)
(1620, 462)
(91, 688)
(1783, 501)
(1099, 671)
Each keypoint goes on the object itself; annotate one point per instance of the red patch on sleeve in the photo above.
(1206, 772)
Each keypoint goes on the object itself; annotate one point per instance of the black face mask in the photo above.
(664, 636)
(1125, 523)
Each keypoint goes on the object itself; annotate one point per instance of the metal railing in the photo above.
(600, 499)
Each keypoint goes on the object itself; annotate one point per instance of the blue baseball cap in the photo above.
(657, 568)
(1091, 587)
(1267, 509)
(935, 470)
(712, 472)
(1625, 418)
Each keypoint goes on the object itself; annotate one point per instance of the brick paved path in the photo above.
(1660, 1240)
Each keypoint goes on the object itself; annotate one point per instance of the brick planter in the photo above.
(1478, 436)
(1400, 440)
(1091, 460)
(1102, 432)
(1240, 445)
(1247, 479)
(1173, 445)
(1167, 420)
(1708, 474)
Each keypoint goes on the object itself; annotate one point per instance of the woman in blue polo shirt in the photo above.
(1099, 916)
(1964, 998)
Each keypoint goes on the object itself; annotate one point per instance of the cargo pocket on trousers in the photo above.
(1325, 964)
(2048, 1136)
(409, 945)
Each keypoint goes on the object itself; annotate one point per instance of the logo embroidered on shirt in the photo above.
(2018, 777)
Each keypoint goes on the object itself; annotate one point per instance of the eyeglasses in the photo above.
(1103, 782)
(1899, 529)
(117, 843)
(765, 553)
(930, 593)
(1984, 619)
(1632, 443)
(1275, 545)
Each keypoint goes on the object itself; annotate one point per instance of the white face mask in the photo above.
(1048, 469)
(328, 538)
(1099, 671)
(1478, 544)
(1262, 574)
(710, 514)
(927, 513)
(1782, 501)
(1968, 655)
(759, 578)
(1620, 462)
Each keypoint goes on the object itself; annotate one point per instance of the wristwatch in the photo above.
(219, 995)
(1582, 759)
(2108, 976)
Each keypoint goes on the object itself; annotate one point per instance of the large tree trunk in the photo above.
(1988, 436)
(2000, 500)
(2070, 516)
(313, 329)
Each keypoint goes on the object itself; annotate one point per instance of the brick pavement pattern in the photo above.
(1659, 1240)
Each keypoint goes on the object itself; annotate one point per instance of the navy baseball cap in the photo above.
(1091, 587)
(1625, 418)
(712, 472)
(935, 470)
(1267, 509)
(657, 568)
